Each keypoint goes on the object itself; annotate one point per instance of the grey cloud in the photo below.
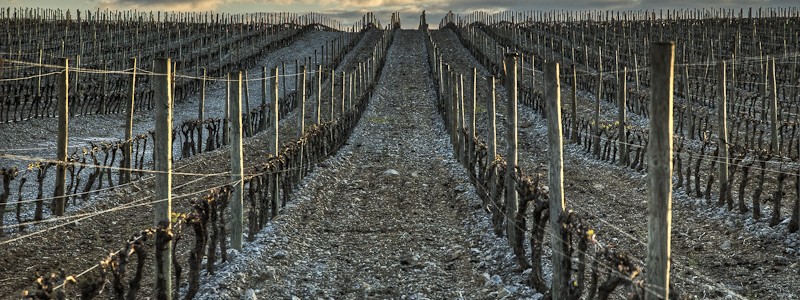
(182, 5)
(351, 10)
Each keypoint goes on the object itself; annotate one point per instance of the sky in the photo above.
(349, 10)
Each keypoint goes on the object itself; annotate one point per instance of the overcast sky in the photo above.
(347, 10)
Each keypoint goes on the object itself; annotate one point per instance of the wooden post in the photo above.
(63, 140)
(574, 130)
(460, 123)
(722, 135)
(492, 138)
(472, 122)
(163, 178)
(283, 71)
(622, 116)
(333, 97)
(274, 145)
(453, 113)
(350, 91)
(596, 138)
(734, 101)
(763, 86)
(441, 75)
(39, 79)
(302, 102)
(246, 124)
(78, 85)
(201, 107)
(344, 91)
(302, 121)
(264, 91)
(127, 149)
(104, 90)
(319, 94)
(226, 119)
(659, 210)
(773, 108)
(512, 199)
(689, 109)
(237, 172)
(555, 177)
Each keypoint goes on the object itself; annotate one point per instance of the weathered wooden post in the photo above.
(246, 123)
(497, 214)
(302, 102)
(555, 177)
(491, 104)
(659, 210)
(722, 135)
(472, 122)
(274, 145)
(441, 81)
(344, 91)
(763, 78)
(163, 178)
(104, 90)
(333, 97)
(734, 101)
(302, 121)
(127, 149)
(237, 171)
(460, 124)
(63, 140)
(39, 79)
(596, 138)
(201, 110)
(283, 71)
(296, 77)
(454, 113)
(226, 119)
(689, 109)
(574, 124)
(78, 86)
(512, 199)
(622, 117)
(319, 94)
(264, 91)
(773, 108)
(350, 90)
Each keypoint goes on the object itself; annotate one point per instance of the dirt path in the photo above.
(379, 220)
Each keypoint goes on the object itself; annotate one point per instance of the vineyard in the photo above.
(516, 155)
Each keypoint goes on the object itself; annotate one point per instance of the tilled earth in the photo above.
(380, 220)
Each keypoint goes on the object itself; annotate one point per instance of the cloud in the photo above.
(350, 10)
(164, 5)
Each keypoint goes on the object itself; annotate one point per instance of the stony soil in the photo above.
(386, 218)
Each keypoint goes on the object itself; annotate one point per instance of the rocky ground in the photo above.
(386, 218)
